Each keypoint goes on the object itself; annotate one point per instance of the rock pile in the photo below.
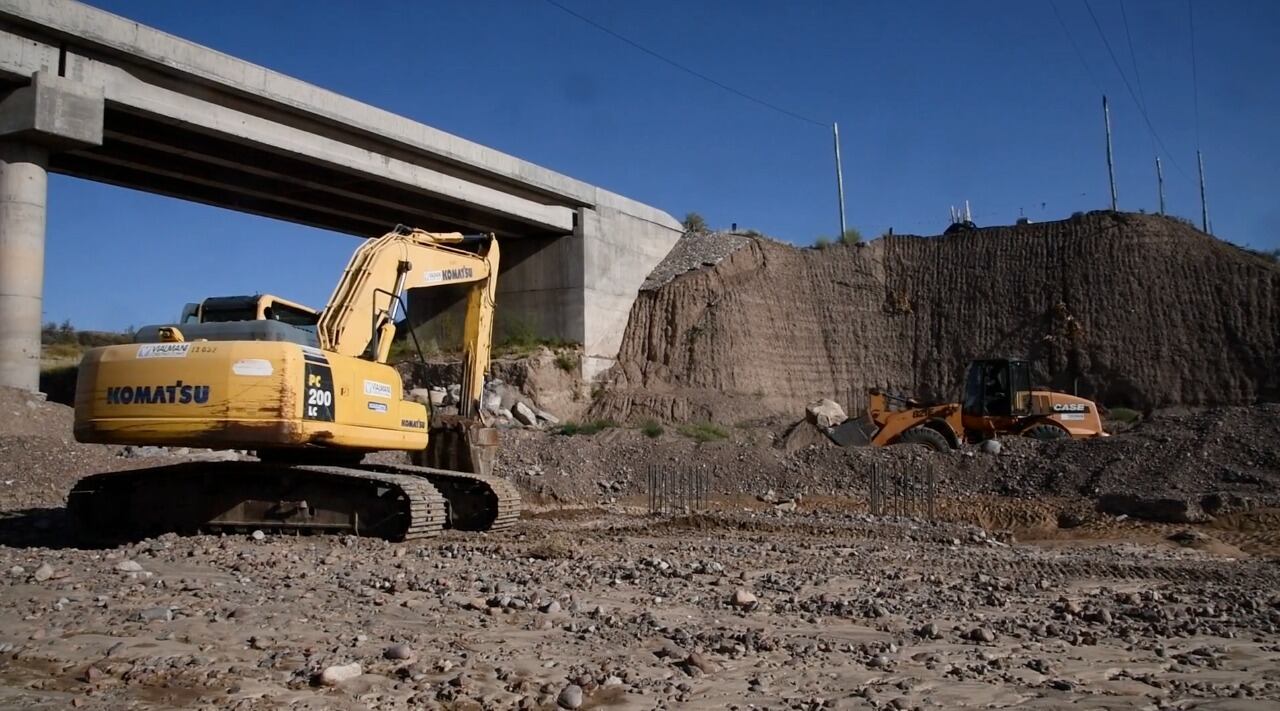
(506, 404)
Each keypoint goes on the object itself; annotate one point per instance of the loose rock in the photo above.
(335, 675)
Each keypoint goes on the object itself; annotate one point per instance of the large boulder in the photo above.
(825, 413)
(524, 414)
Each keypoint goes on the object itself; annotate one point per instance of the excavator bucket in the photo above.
(459, 444)
(854, 432)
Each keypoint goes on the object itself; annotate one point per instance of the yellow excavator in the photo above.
(998, 400)
(310, 393)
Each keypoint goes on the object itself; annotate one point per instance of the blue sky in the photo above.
(938, 102)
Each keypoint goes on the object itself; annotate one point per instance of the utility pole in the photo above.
(1111, 170)
(1160, 183)
(835, 130)
(1204, 206)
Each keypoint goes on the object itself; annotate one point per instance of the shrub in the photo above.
(822, 242)
(1124, 414)
(652, 429)
(566, 361)
(693, 222)
(703, 431)
(572, 428)
(851, 236)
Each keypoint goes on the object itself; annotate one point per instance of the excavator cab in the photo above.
(998, 387)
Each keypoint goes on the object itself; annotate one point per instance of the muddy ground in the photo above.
(592, 602)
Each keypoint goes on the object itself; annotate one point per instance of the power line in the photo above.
(1088, 70)
(1133, 57)
(1145, 117)
(688, 70)
(1195, 79)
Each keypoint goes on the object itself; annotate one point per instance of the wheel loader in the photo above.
(998, 401)
(310, 393)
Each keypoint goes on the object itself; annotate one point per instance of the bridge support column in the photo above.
(23, 195)
(52, 113)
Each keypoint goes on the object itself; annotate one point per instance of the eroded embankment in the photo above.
(1135, 310)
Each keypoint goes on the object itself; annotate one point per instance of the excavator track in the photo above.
(397, 503)
(477, 502)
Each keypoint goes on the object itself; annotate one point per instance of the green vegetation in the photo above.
(566, 361)
(693, 222)
(66, 334)
(703, 431)
(1124, 414)
(652, 429)
(518, 337)
(572, 428)
(61, 347)
(851, 236)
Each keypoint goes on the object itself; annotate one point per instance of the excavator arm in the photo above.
(359, 319)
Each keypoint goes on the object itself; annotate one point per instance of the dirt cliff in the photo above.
(1134, 310)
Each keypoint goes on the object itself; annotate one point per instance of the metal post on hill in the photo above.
(1111, 170)
(1204, 205)
(835, 130)
(1160, 183)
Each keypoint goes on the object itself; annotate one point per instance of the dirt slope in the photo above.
(1140, 310)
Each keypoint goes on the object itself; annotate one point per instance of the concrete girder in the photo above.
(122, 88)
(209, 150)
(127, 177)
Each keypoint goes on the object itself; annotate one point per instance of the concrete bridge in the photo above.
(93, 95)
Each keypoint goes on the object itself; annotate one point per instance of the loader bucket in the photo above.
(854, 432)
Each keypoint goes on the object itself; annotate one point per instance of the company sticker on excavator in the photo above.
(441, 275)
(163, 350)
(373, 388)
(318, 394)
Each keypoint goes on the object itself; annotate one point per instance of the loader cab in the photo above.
(998, 388)
(259, 307)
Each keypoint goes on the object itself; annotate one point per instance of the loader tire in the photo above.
(1045, 433)
(927, 436)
